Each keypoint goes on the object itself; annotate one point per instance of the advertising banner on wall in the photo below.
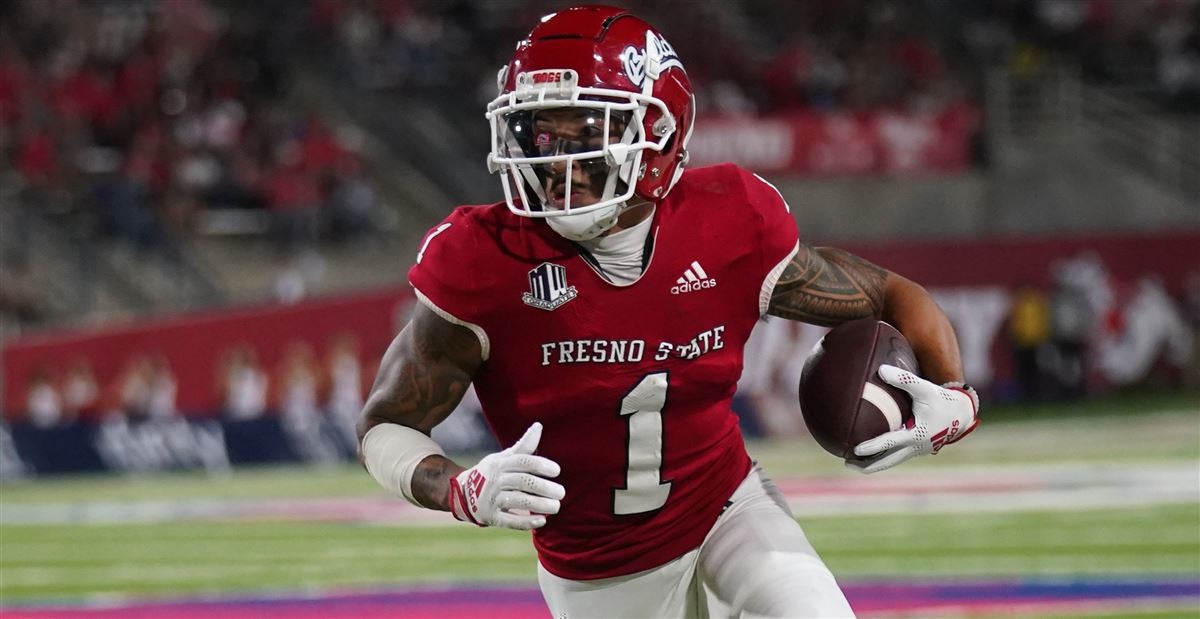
(841, 143)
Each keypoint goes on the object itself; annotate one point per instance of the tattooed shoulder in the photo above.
(828, 286)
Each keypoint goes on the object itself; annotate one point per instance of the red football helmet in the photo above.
(630, 109)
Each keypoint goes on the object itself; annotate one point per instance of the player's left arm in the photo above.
(829, 286)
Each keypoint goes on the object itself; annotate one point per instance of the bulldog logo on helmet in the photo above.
(634, 62)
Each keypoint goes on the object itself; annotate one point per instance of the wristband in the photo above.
(392, 452)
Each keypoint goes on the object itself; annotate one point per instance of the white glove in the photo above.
(508, 489)
(941, 415)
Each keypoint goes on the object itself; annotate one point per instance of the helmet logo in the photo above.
(657, 57)
(634, 62)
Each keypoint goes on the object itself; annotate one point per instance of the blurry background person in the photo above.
(162, 387)
(293, 198)
(298, 384)
(43, 404)
(353, 207)
(243, 385)
(1070, 328)
(1028, 333)
(345, 388)
(132, 387)
(80, 392)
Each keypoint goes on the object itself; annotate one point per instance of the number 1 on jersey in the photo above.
(644, 489)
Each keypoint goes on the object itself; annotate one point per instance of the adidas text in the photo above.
(693, 286)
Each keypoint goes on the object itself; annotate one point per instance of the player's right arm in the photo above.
(422, 378)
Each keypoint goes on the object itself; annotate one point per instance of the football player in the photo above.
(601, 312)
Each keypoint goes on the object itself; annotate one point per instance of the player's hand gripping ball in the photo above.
(842, 398)
(863, 399)
(941, 415)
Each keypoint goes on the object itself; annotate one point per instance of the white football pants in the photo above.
(755, 562)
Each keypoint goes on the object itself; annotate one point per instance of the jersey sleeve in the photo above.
(779, 238)
(445, 278)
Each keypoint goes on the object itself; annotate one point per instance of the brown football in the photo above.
(842, 398)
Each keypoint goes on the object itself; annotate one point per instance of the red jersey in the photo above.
(632, 383)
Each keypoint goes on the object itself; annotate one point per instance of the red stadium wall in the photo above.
(195, 345)
(1010, 263)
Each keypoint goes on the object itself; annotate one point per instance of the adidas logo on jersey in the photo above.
(694, 278)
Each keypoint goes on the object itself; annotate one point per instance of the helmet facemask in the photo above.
(572, 155)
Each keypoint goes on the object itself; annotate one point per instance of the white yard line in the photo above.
(1000, 488)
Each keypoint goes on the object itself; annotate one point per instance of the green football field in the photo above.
(1091, 492)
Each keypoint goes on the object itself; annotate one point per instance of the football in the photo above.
(842, 398)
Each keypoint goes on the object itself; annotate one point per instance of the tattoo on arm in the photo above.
(828, 286)
(424, 373)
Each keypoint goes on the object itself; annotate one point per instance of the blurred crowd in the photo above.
(760, 56)
(877, 54)
(747, 57)
(763, 56)
(1149, 46)
(131, 120)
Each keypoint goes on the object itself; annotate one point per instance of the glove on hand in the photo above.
(941, 415)
(508, 489)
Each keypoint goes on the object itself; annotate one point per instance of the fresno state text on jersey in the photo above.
(630, 351)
